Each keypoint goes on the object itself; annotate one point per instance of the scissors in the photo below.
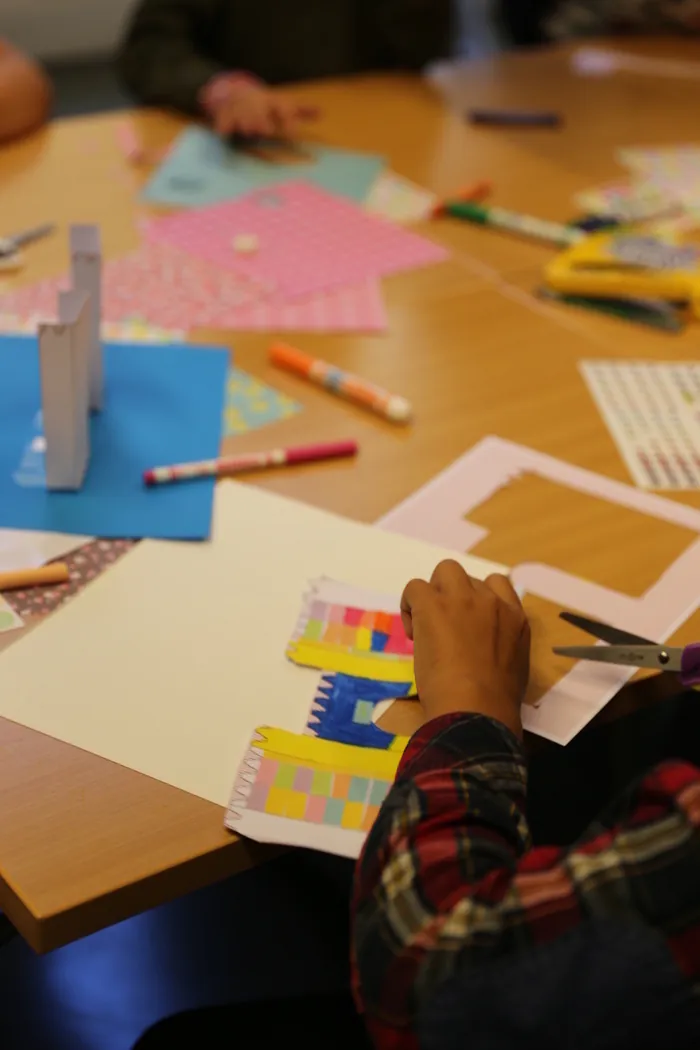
(631, 650)
(10, 246)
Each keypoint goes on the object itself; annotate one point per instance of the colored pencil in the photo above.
(344, 384)
(21, 578)
(226, 466)
(516, 118)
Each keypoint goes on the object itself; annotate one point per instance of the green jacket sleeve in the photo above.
(416, 32)
(162, 60)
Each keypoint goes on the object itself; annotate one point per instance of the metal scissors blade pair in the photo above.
(631, 650)
(10, 245)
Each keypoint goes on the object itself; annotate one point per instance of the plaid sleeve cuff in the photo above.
(472, 742)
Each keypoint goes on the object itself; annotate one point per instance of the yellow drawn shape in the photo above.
(376, 666)
(327, 754)
(353, 815)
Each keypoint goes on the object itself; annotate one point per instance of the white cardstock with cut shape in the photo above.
(437, 514)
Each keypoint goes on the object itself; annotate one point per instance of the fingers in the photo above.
(285, 116)
(450, 578)
(503, 588)
(308, 112)
(416, 594)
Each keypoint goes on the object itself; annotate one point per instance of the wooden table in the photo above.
(85, 843)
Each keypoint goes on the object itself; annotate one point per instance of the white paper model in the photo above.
(65, 396)
(86, 274)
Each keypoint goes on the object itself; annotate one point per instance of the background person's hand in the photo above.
(252, 110)
(471, 644)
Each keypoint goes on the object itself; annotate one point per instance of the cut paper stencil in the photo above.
(336, 632)
(439, 514)
(305, 791)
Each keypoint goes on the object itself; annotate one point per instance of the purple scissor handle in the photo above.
(690, 664)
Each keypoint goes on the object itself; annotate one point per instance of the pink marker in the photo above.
(276, 457)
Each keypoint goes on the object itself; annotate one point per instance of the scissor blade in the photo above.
(35, 234)
(606, 633)
(658, 657)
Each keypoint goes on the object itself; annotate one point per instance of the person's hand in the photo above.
(471, 644)
(246, 107)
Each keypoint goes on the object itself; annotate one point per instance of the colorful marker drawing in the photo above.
(305, 791)
(350, 639)
(344, 706)
(323, 789)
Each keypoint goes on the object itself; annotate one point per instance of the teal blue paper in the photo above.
(251, 404)
(202, 169)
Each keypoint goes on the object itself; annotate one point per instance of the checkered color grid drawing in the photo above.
(309, 240)
(341, 636)
(302, 790)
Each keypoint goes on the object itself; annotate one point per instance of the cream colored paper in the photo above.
(168, 662)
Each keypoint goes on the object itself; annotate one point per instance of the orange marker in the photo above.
(477, 191)
(17, 581)
(391, 406)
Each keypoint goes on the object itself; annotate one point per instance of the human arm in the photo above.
(25, 93)
(465, 936)
(165, 60)
(413, 33)
(572, 18)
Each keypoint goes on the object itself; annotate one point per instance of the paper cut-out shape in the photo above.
(361, 642)
(438, 513)
(305, 791)
(64, 350)
(86, 272)
(344, 706)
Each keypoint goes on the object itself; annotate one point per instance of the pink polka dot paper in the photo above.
(308, 240)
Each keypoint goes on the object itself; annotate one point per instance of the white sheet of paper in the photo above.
(168, 662)
(20, 549)
(399, 200)
(652, 411)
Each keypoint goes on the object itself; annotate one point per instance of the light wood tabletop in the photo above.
(85, 843)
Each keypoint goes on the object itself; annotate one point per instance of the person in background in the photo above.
(25, 93)
(466, 936)
(222, 58)
(538, 21)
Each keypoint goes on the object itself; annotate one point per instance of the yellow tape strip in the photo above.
(328, 754)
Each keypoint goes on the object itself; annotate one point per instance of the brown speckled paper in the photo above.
(84, 564)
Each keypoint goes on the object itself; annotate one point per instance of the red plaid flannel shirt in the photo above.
(460, 926)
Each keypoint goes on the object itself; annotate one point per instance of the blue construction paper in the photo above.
(163, 405)
(202, 169)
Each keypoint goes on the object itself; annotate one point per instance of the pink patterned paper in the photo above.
(166, 288)
(309, 240)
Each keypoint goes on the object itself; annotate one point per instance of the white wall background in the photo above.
(63, 28)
